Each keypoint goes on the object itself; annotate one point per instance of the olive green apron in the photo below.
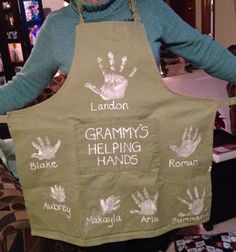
(114, 155)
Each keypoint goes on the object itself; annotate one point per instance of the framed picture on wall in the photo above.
(33, 33)
(15, 51)
(10, 20)
(12, 35)
(6, 5)
(32, 11)
(20, 21)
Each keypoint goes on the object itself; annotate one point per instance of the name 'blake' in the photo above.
(109, 106)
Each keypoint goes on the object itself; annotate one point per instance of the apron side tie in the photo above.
(3, 119)
(226, 101)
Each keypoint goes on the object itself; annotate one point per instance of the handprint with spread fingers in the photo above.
(115, 83)
(145, 203)
(109, 205)
(196, 205)
(58, 193)
(189, 143)
(45, 149)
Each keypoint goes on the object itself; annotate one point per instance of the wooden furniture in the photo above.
(223, 185)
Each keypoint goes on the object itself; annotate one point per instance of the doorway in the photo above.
(208, 17)
(186, 9)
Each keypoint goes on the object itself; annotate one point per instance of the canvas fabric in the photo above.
(114, 155)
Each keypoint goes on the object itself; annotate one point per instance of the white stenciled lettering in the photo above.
(113, 148)
(96, 134)
(187, 219)
(110, 221)
(110, 148)
(117, 160)
(150, 219)
(184, 163)
(109, 106)
(43, 165)
(58, 207)
(144, 131)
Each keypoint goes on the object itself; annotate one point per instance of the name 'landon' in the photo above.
(109, 106)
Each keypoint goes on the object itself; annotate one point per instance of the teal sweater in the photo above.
(55, 45)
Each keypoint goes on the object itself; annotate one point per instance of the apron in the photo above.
(114, 155)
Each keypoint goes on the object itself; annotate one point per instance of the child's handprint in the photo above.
(145, 203)
(189, 143)
(45, 150)
(114, 83)
(110, 205)
(58, 193)
(196, 205)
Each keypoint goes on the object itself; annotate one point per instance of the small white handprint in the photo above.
(110, 205)
(197, 204)
(114, 83)
(58, 193)
(45, 150)
(144, 202)
(189, 143)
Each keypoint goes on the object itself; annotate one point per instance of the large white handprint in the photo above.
(45, 150)
(145, 203)
(114, 83)
(197, 204)
(189, 143)
(110, 205)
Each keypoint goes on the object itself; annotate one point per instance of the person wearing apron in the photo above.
(97, 161)
(55, 46)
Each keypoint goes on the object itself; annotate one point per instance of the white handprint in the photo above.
(110, 205)
(45, 150)
(144, 202)
(189, 143)
(58, 193)
(197, 204)
(114, 83)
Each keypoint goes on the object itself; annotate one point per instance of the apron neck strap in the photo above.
(132, 4)
(134, 9)
(80, 9)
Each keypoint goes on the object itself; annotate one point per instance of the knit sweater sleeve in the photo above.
(35, 75)
(200, 50)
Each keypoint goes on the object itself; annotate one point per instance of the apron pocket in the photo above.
(127, 145)
(112, 205)
(52, 209)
